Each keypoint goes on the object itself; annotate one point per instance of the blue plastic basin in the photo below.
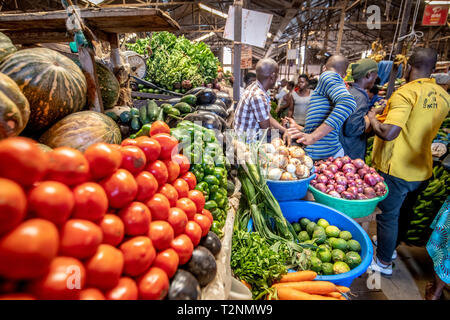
(294, 210)
(290, 190)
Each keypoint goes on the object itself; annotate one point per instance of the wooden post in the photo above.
(341, 27)
(402, 32)
(87, 61)
(119, 70)
(237, 50)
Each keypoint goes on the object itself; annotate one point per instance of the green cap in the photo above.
(363, 67)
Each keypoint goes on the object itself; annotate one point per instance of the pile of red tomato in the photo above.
(113, 223)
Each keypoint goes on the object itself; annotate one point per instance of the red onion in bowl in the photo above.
(380, 187)
(372, 170)
(346, 160)
(332, 181)
(377, 177)
(341, 180)
(322, 167)
(360, 189)
(340, 188)
(348, 168)
(331, 159)
(359, 182)
(361, 196)
(313, 182)
(333, 168)
(321, 187)
(362, 172)
(328, 174)
(369, 192)
(357, 176)
(338, 163)
(348, 195)
(353, 190)
(339, 174)
(334, 194)
(351, 183)
(350, 176)
(322, 179)
(358, 163)
(370, 179)
(330, 187)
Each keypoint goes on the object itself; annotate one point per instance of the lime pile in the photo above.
(337, 252)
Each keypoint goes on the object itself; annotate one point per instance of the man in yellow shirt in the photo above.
(402, 147)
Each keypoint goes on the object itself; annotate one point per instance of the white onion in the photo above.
(290, 168)
(308, 162)
(277, 143)
(275, 174)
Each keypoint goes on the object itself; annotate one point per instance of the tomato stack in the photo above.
(113, 223)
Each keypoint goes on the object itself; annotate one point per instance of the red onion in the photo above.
(380, 187)
(350, 176)
(346, 159)
(327, 163)
(333, 168)
(353, 190)
(328, 174)
(330, 187)
(369, 192)
(366, 167)
(360, 189)
(339, 174)
(321, 187)
(351, 183)
(377, 177)
(347, 195)
(331, 159)
(348, 168)
(340, 188)
(338, 162)
(322, 179)
(342, 181)
(370, 180)
(357, 176)
(362, 172)
(322, 167)
(334, 194)
(332, 181)
(359, 182)
(313, 182)
(372, 170)
(358, 163)
(361, 196)
(365, 185)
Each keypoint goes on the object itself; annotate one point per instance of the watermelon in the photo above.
(14, 108)
(53, 84)
(81, 129)
(6, 46)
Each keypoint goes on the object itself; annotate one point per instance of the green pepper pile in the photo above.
(209, 166)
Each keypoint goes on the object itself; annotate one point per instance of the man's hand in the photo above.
(306, 139)
(294, 133)
(374, 112)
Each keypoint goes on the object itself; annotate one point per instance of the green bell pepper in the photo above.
(211, 180)
(199, 173)
(219, 173)
(213, 188)
(210, 205)
(144, 131)
(219, 198)
(203, 187)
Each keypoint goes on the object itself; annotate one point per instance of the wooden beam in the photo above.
(237, 50)
(341, 26)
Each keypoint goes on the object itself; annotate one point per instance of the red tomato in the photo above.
(103, 159)
(105, 267)
(159, 207)
(198, 198)
(183, 246)
(168, 145)
(204, 222)
(142, 138)
(91, 201)
(52, 201)
(178, 220)
(167, 260)
(153, 285)
(159, 170)
(68, 166)
(136, 217)
(27, 250)
(170, 192)
(129, 142)
(194, 232)
(208, 214)
(126, 289)
(183, 162)
(147, 186)
(173, 170)
(138, 253)
(120, 187)
(63, 281)
(80, 238)
(188, 206)
(13, 205)
(22, 161)
(113, 229)
(161, 233)
(190, 178)
(17, 296)
(151, 148)
(182, 188)
(159, 127)
(91, 294)
(133, 159)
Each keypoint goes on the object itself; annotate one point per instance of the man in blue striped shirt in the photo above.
(330, 105)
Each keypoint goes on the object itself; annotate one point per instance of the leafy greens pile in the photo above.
(173, 60)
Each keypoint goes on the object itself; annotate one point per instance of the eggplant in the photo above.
(202, 265)
(221, 103)
(214, 108)
(206, 96)
(225, 98)
(184, 286)
(212, 242)
(194, 91)
(208, 120)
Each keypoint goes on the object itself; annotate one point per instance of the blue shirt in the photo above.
(332, 104)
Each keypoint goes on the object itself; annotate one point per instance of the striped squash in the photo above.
(53, 84)
(6, 46)
(81, 129)
(14, 108)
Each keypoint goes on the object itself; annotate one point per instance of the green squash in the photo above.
(52, 83)
(6, 46)
(14, 108)
(81, 129)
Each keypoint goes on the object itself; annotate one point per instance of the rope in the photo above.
(396, 29)
(413, 35)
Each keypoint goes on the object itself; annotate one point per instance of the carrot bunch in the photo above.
(302, 286)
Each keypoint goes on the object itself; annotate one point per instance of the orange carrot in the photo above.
(342, 298)
(299, 276)
(342, 289)
(311, 287)
(285, 293)
(245, 283)
(334, 295)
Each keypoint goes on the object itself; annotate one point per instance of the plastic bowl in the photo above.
(290, 190)
(353, 208)
(294, 210)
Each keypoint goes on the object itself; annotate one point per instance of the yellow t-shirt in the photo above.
(419, 108)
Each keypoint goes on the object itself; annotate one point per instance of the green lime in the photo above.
(319, 235)
(304, 222)
(353, 259)
(327, 268)
(303, 236)
(316, 264)
(337, 255)
(345, 235)
(297, 227)
(332, 231)
(339, 243)
(340, 267)
(324, 255)
(323, 223)
(354, 245)
(310, 228)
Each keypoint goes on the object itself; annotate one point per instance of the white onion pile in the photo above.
(348, 179)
